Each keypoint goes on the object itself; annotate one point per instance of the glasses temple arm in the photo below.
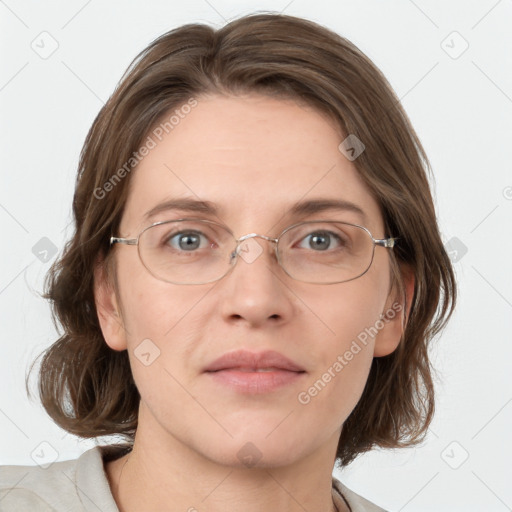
(386, 242)
(127, 241)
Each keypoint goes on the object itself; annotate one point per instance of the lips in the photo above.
(263, 373)
(261, 362)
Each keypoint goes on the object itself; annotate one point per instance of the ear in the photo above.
(109, 313)
(389, 336)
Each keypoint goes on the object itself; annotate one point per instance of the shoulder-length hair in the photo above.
(86, 387)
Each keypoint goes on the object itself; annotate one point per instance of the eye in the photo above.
(323, 240)
(186, 240)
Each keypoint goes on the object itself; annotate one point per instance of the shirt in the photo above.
(81, 485)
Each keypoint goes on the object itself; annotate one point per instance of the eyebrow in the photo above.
(298, 209)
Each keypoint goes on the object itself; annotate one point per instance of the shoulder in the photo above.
(71, 485)
(36, 487)
(355, 502)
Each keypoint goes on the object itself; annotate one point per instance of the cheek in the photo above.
(151, 308)
(344, 355)
(333, 392)
(161, 325)
(349, 309)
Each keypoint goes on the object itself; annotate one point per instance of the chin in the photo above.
(253, 456)
(254, 450)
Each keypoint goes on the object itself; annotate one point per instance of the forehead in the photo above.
(253, 157)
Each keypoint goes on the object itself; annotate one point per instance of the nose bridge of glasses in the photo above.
(254, 235)
(248, 251)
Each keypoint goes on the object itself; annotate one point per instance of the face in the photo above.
(253, 157)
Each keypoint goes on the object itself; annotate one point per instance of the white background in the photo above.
(462, 110)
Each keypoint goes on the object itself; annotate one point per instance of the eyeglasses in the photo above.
(193, 251)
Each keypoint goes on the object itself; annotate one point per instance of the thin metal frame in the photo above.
(387, 243)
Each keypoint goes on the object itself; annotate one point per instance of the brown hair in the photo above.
(86, 387)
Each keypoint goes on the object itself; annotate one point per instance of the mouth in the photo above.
(245, 360)
(254, 373)
(253, 370)
(255, 381)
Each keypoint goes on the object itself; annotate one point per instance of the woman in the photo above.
(254, 279)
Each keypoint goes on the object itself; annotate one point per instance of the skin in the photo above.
(253, 156)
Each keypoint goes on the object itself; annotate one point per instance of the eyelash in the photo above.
(325, 232)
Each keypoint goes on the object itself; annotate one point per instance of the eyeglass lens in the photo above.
(200, 251)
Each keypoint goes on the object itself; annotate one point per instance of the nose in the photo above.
(255, 291)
